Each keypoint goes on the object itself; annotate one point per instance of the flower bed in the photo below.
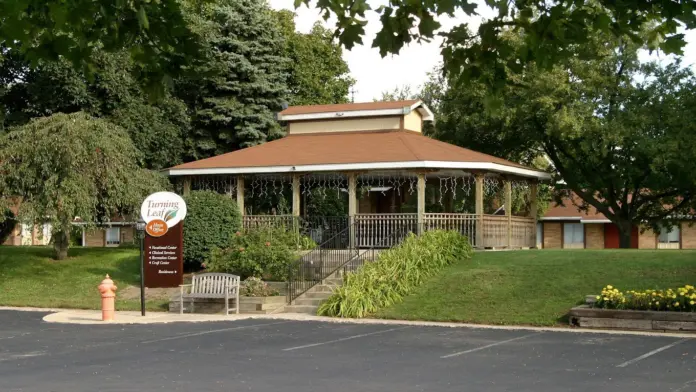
(655, 310)
(682, 299)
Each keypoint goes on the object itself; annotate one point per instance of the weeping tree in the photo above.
(72, 166)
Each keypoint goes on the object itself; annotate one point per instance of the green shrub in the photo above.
(255, 287)
(8, 221)
(211, 220)
(396, 273)
(265, 253)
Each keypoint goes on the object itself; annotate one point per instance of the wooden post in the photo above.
(296, 195)
(533, 206)
(352, 207)
(421, 202)
(508, 211)
(240, 194)
(479, 210)
(187, 185)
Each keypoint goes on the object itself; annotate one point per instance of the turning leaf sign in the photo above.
(161, 211)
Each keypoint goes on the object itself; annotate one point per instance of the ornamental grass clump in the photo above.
(396, 273)
(681, 299)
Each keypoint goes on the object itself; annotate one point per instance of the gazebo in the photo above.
(375, 155)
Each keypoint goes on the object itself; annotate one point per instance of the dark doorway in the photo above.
(611, 236)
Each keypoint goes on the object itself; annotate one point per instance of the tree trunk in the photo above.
(61, 241)
(624, 235)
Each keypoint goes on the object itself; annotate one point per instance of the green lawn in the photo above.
(29, 277)
(538, 287)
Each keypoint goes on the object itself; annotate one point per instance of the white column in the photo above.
(240, 194)
(421, 202)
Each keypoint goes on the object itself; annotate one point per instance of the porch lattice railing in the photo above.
(464, 224)
(373, 229)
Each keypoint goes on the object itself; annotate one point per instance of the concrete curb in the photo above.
(93, 317)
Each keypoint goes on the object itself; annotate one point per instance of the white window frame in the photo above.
(574, 244)
(118, 236)
(669, 237)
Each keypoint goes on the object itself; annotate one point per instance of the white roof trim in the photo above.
(561, 218)
(595, 221)
(424, 111)
(496, 167)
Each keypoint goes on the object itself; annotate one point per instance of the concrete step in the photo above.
(317, 294)
(334, 281)
(307, 309)
(309, 301)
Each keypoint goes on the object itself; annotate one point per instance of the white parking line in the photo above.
(343, 339)
(653, 352)
(490, 345)
(188, 335)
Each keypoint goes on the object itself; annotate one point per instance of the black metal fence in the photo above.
(321, 262)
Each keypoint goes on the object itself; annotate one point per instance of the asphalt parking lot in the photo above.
(293, 356)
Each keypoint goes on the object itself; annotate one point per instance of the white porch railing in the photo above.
(384, 230)
(464, 224)
(387, 230)
(523, 232)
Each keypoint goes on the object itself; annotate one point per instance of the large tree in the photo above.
(156, 127)
(243, 82)
(619, 133)
(549, 27)
(318, 74)
(70, 166)
(156, 34)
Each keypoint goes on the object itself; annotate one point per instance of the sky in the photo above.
(374, 74)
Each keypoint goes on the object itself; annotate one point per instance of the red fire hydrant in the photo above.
(108, 294)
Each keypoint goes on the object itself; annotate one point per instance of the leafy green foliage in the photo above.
(72, 165)
(549, 28)
(255, 287)
(318, 74)
(211, 220)
(242, 84)
(156, 128)
(266, 253)
(155, 33)
(396, 273)
(618, 132)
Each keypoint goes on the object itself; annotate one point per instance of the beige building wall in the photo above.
(413, 121)
(594, 236)
(95, 237)
(127, 235)
(553, 235)
(345, 125)
(647, 239)
(688, 235)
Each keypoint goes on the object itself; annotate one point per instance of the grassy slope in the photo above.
(29, 277)
(538, 287)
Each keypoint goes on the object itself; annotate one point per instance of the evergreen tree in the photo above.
(243, 83)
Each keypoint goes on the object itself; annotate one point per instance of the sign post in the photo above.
(163, 213)
(140, 228)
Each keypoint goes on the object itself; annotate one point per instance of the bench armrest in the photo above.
(182, 288)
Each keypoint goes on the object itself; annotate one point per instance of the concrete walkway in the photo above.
(93, 317)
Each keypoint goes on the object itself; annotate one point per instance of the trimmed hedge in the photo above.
(212, 219)
(396, 273)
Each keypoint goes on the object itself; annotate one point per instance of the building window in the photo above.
(573, 235)
(113, 236)
(540, 235)
(668, 238)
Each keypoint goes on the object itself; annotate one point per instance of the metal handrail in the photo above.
(319, 263)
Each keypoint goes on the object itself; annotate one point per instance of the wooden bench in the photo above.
(212, 285)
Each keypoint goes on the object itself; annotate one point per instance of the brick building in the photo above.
(564, 226)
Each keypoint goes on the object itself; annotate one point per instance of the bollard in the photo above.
(108, 294)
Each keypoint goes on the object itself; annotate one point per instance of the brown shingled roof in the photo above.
(570, 209)
(346, 148)
(346, 107)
